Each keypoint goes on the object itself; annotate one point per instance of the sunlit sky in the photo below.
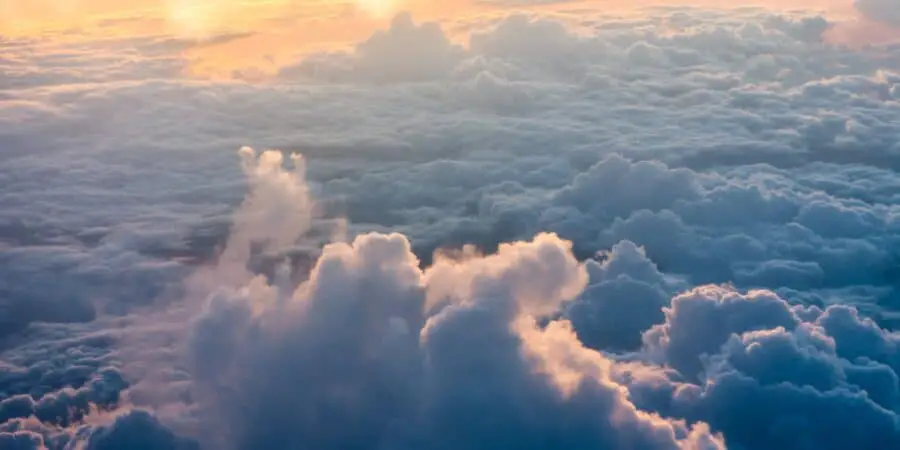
(237, 35)
(199, 18)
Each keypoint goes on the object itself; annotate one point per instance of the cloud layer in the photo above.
(677, 230)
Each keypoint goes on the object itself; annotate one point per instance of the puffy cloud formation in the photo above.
(626, 296)
(374, 352)
(371, 349)
(405, 52)
(684, 234)
(134, 429)
(138, 430)
(480, 351)
(796, 371)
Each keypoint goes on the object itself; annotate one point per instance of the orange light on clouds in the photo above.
(208, 16)
(19, 17)
(266, 34)
(192, 17)
(269, 32)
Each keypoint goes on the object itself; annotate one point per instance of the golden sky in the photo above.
(192, 17)
(198, 16)
(264, 34)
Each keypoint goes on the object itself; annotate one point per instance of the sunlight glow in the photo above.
(198, 18)
(377, 8)
(236, 38)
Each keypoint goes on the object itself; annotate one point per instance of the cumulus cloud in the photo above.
(450, 356)
(405, 52)
(626, 296)
(137, 429)
(790, 367)
(464, 352)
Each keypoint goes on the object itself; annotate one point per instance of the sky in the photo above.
(466, 224)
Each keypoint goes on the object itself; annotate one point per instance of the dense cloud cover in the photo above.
(675, 231)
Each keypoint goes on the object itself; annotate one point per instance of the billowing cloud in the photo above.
(626, 296)
(446, 357)
(795, 370)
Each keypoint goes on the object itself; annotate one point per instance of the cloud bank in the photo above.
(677, 231)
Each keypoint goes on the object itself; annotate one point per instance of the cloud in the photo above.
(460, 338)
(790, 367)
(446, 357)
(686, 232)
(887, 11)
(137, 429)
(22, 440)
(405, 52)
(625, 297)
(133, 429)
(453, 354)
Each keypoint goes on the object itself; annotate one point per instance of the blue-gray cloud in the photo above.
(886, 11)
